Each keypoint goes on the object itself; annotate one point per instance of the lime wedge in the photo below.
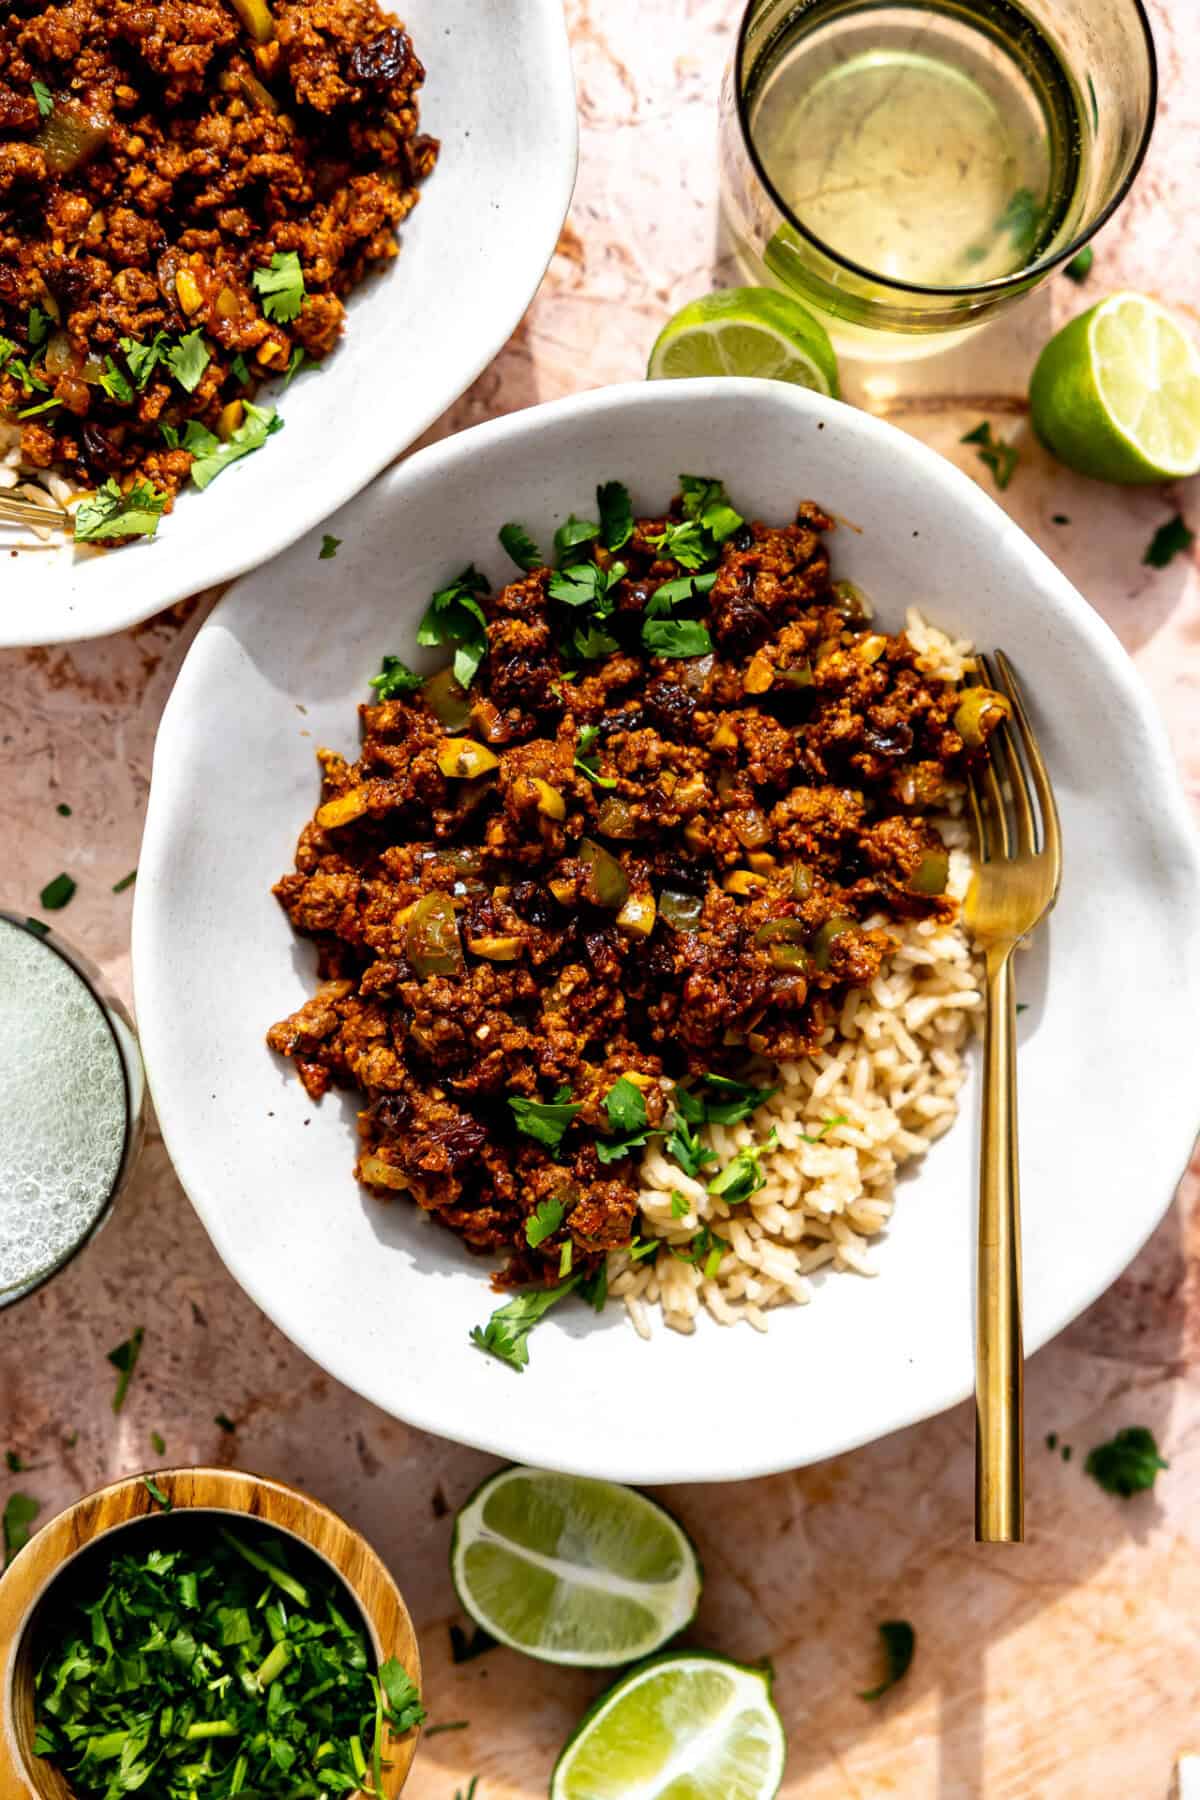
(690, 1727)
(746, 331)
(1116, 393)
(572, 1571)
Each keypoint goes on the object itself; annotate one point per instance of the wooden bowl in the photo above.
(33, 1574)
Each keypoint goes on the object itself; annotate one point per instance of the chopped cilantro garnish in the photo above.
(899, 1641)
(395, 679)
(627, 1119)
(44, 98)
(706, 501)
(176, 1674)
(616, 515)
(679, 1204)
(676, 637)
(507, 1330)
(521, 547)
(143, 359)
(55, 895)
(116, 383)
(743, 1176)
(544, 1221)
(281, 287)
(467, 1793)
(126, 881)
(591, 641)
(571, 538)
(585, 763)
(994, 453)
(44, 406)
(108, 513)
(670, 594)
(685, 544)
(329, 548)
(594, 1288)
(212, 456)
(826, 1126)
(704, 1251)
(124, 1359)
(1080, 267)
(188, 359)
(38, 328)
(20, 1511)
(544, 1121)
(295, 364)
(20, 369)
(1128, 1464)
(454, 616)
(732, 1100)
(566, 1257)
(1168, 542)
(587, 584)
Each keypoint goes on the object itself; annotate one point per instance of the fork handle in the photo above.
(999, 1354)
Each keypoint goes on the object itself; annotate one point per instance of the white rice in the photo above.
(888, 1074)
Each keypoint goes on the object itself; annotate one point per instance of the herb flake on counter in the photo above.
(329, 548)
(467, 1793)
(544, 1221)
(544, 1121)
(1052, 1440)
(281, 287)
(225, 1423)
(108, 513)
(465, 1649)
(125, 1360)
(156, 1494)
(395, 679)
(188, 359)
(520, 546)
(432, 1731)
(994, 453)
(616, 514)
(1168, 542)
(13, 1462)
(55, 895)
(126, 881)
(454, 616)
(899, 1641)
(1080, 267)
(1128, 1464)
(157, 1443)
(38, 926)
(20, 1510)
(63, 810)
(506, 1332)
(212, 456)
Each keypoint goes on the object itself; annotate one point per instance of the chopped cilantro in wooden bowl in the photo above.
(215, 1637)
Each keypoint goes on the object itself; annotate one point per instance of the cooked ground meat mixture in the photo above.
(637, 851)
(170, 173)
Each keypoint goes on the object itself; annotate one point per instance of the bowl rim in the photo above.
(408, 484)
(276, 530)
(200, 1488)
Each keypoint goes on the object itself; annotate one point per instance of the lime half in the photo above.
(689, 1727)
(1116, 393)
(746, 331)
(572, 1571)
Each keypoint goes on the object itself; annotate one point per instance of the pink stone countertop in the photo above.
(1068, 1668)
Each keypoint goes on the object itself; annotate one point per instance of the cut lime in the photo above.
(572, 1571)
(689, 1727)
(746, 331)
(1116, 393)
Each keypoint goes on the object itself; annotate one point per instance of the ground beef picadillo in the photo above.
(631, 865)
(155, 154)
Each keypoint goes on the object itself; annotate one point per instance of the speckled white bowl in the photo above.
(1109, 1069)
(501, 97)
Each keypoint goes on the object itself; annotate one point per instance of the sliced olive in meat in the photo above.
(980, 710)
(803, 881)
(69, 137)
(852, 603)
(800, 675)
(931, 873)
(462, 759)
(616, 818)
(825, 939)
(431, 937)
(447, 700)
(605, 883)
(680, 909)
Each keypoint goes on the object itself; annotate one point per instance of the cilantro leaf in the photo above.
(544, 1121)
(281, 287)
(108, 513)
(124, 1359)
(404, 1709)
(115, 383)
(616, 515)
(38, 327)
(521, 547)
(454, 616)
(1128, 1464)
(585, 763)
(1168, 542)
(705, 1249)
(155, 1492)
(899, 1641)
(825, 1126)
(736, 1100)
(683, 1145)
(505, 1334)
(126, 881)
(1080, 267)
(705, 501)
(395, 679)
(143, 359)
(743, 1176)
(669, 594)
(587, 584)
(594, 1288)
(625, 1106)
(212, 456)
(591, 641)
(55, 895)
(994, 453)
(572, 536)
(329, 548)
(240, 370)
(19, 1513)
(687, 544)
(679, 1204)
(44, 98)
(676, 637)
(188, 359)
(544, 1221)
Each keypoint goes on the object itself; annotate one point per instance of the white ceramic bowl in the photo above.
(501, 97)
(384, 1300)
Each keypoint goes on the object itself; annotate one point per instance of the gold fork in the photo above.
(17, 511)
(1015, 885)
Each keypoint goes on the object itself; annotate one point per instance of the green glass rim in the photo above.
(34, 1283)
(999, 284)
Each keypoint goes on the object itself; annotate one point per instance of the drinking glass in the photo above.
(908, 168)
